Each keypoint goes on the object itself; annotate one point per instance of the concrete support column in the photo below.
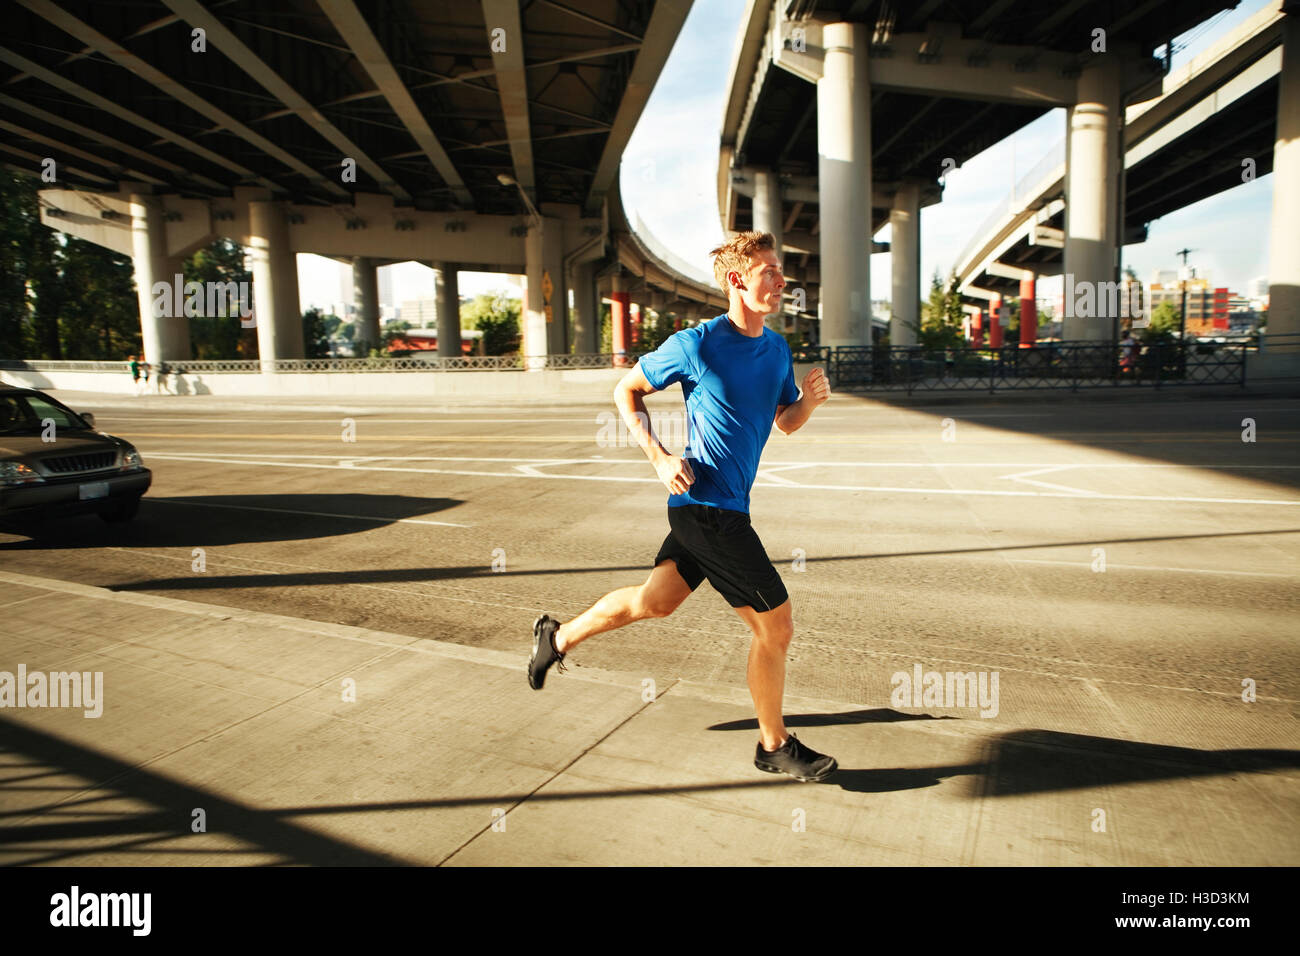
(534, 345)
(586, 323)
(905, 251)
(545, 311)
(769, 217)
(844, 173)
(1284, 249)
(275, 283)
(1028, 313)
(1092, 174)
(447, 285)
(166, 338)
(365, 296)
(995, 322)
(619, 315)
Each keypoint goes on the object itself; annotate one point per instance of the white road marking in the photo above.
(785, 465)
(768, 473)
(1023, 477)
(327, 418)
(977, 492)
(1086, 565)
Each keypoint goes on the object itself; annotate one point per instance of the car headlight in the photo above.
(131, 460)
(16, 473)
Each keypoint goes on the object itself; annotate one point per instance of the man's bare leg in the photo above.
(766, 671)
(662, 592)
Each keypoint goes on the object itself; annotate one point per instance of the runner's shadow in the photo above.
(879, 715)
(888, 779)
(1024, 762)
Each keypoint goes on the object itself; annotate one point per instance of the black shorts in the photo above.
(721, 545)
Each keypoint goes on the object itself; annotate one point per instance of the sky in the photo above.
(669, 178)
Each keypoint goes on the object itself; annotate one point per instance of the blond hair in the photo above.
(734, 255)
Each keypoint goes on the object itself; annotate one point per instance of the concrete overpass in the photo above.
(1212, 116)
(467, 136)
(845, 114)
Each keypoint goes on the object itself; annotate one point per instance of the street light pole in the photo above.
(505, 179)
(1182, 282)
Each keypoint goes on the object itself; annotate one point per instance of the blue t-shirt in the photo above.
(733, 384)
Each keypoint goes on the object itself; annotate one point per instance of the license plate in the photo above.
(94, 489)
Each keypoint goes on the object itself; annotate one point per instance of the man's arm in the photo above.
(816, 390)
(629, 398)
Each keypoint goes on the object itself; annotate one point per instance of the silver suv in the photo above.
(53, 462)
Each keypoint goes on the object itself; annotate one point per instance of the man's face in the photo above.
(762, 283)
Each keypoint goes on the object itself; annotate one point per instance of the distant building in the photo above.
(420, 313)
(385, 276)
(1207, 306)
(1258, 287)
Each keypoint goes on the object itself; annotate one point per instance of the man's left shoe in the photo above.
(544, 652)
(797, 759)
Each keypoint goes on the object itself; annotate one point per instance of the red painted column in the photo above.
(995, 323)
(977, 329)
(619, 321)
(677, 322)
(1028, 314)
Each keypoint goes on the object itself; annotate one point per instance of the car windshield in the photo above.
(31, 414)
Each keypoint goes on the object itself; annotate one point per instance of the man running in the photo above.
(738, 380)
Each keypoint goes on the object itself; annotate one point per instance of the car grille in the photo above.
(76, 464)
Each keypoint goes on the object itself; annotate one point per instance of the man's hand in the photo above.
(675, 473)
(815, 386)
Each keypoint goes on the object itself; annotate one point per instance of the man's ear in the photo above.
(738, 283)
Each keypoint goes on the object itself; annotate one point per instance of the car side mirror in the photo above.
(89, 418)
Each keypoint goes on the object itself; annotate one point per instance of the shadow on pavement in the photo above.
(1035, 761)
(879, 715)
(213, 520)
(1047, 761)
(1016, 763)
(174, 801)
(334, 578)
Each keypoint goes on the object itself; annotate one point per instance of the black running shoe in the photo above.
(797, 759)
(544, 652)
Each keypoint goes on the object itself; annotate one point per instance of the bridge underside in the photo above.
(826, 97)
(483, 134)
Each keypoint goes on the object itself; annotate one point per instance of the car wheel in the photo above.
(121, 512)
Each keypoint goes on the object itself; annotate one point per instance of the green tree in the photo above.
(99, 317)
(18, 219)
(941, 315)
(315, 334)
(60, 297)
(221, 336)
(1165, 321)
(656, 332)
(496, 315)
(49, 296)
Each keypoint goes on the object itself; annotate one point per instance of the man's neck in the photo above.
(744, 321)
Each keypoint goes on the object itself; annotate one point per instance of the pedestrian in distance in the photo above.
(737, 378)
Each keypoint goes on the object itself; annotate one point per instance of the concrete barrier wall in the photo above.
(596, 384)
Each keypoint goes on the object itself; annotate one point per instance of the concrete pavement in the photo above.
(240, 718)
